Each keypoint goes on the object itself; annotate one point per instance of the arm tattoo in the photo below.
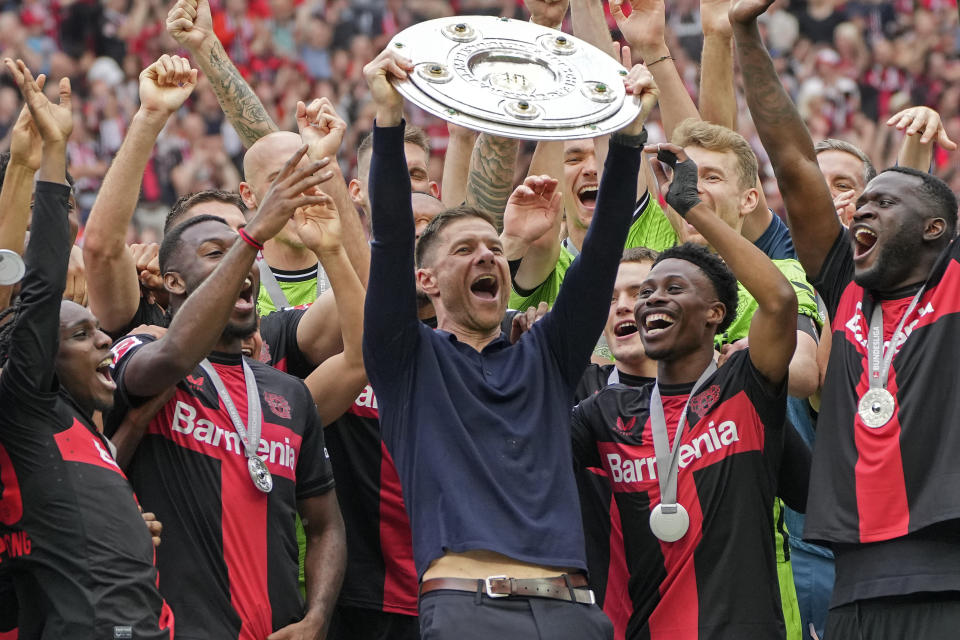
(238, 101)
(490, 181)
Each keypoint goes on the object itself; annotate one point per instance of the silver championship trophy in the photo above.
(513, 78)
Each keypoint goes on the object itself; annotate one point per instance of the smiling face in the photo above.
(466, 276)
(581, 180)
(887, 233)
(83, 360)
(202, 248)
(720, 188)
(621, 332)
(677, 311)
(843, 172)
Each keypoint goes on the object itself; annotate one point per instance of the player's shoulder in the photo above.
(617, 399)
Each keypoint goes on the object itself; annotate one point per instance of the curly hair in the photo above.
(723, 281)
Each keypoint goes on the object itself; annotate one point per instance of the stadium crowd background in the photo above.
(848, 66)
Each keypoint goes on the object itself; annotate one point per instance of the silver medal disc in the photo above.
(12, 268)
(876, 408)
(669, 527)
(260, 474)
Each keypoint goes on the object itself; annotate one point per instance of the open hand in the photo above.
(926, 122)
(681, 190)
(190, 23)
(26, 145)
(533, 209)
(644, 28)
(53, 121)
(291, 189)
(318, 225)
(321, 128)
(166, 84)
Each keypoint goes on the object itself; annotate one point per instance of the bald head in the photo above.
(268, 154)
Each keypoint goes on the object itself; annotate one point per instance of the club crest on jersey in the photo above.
(625, 427)
(701, 403)
(265, 357)
(278, 404)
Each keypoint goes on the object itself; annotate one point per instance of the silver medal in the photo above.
(669, 527)
(260, 474)
(876, 407)
(12, 268)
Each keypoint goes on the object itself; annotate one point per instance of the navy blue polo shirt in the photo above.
(481, 440)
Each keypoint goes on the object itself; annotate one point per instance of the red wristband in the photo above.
(249, 240)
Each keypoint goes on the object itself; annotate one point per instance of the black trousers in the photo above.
(458, 615)
(354, 623)
(926, 616)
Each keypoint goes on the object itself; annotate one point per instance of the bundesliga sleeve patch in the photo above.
(121, 348)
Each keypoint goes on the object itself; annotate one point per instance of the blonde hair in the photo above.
(713, 137)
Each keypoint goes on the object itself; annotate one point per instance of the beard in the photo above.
(892, 264)
(241, 330)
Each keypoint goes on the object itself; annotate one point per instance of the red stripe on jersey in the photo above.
(189, 424)
(365, 405)
(882, 508)
(244, 517)
(78, 444)
(617, 603)
(400, 575)
(11, 502)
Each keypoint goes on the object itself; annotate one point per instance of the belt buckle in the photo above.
(487, 586)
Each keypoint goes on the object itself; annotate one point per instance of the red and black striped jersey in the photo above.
(229, 555)
(875, 484)
(380, 571)
(606, 563)
(720, 579)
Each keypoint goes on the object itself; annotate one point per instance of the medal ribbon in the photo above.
(878, 358)
(251, 438)
(666, 459)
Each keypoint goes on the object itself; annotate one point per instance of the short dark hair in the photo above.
(432, 231)
(190, 200)
(723, 281)
(411, 133)
(172, 240)
(832, 144)
(639, 254)
(942, 200)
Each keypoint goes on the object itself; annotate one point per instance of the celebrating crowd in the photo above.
(359, 388)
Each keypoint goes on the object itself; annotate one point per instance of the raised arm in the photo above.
(718, 96)
(35, 337)
(456, 165)
(390, 323)
(191, 24)
(923, 129)
(113, 282)
(644, 32)
(338, 380)
(26, 147)
(322, 130)
(490, 180)
(581, 308)
(773, 329)
(199, 323)
(810, 211)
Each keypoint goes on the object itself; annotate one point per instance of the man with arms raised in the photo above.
(464, 413)
(882, 490)
(693, 458)
(237, 451)
(74, 542)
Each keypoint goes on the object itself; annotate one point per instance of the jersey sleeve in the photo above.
(806, 295)
(651, 228)
(836, 272)
(29, 372)
(122, 351)
(314, 473)
(584, 443)
(769, 400)
(547, 290)
(279, 333)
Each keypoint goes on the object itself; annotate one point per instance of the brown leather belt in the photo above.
(569, 587)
